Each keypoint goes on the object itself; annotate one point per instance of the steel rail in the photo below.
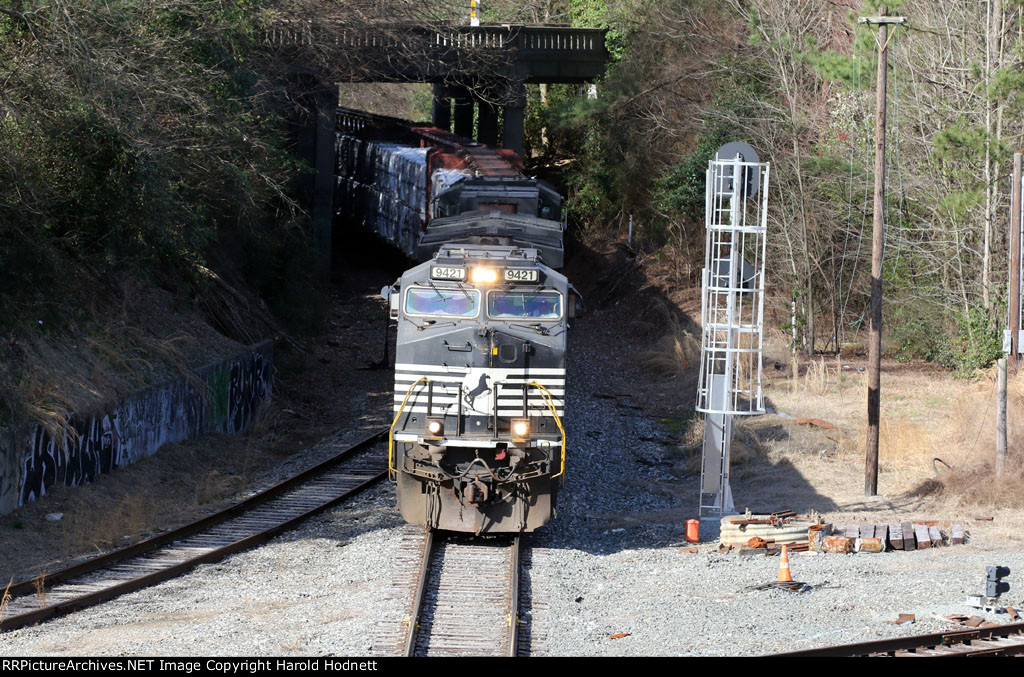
(417, 601)
(999, 640)
(513, 618)
(177, 567)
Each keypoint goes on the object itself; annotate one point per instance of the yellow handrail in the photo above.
(554, 413)
(391, 433)
(545, 394)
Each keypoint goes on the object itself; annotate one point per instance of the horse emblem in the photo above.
(477, 392)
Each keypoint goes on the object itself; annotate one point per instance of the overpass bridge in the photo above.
(478, 73)
(483, 67)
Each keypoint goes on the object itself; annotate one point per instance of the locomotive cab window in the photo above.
(441, 301)
(536, 305)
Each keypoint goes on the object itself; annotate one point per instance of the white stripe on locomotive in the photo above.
(537, 412)
(402, 383)
(454, 392)
(438, 406)
(459, 378)
(498, 372)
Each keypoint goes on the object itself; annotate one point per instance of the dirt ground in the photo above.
(936, 456)
(779, 463)
(937, 436)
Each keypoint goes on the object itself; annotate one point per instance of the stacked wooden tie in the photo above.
(915, 535)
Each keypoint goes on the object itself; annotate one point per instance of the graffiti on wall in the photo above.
(77, 459)
(9, 471)
(250, 379)
(223, 398)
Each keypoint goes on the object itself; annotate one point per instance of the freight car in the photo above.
(477, 442)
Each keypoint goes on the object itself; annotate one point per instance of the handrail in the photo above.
(545, 395)
(500, 36)
(554, 413)
(391, 432)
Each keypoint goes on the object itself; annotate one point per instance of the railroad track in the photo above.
(244, 525)
(999, 640)
(465, 597)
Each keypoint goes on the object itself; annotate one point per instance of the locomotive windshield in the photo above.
(503, 305)
(437, 301)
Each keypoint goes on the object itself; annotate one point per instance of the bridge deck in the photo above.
(425, 54)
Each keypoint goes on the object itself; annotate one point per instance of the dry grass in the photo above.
(132, 339)
(160, 492)
(675, 355)
(677, 352)
(978, 486)
(52, 388)
(213, 486)
(775, 346)
(5, 599)
(139, 512)
(936, 436)
(86, 529)
(173, 491)
(821, 377)
(40, 584)
(745, 447)
(957, 447)
(965, 443)
(121, 349)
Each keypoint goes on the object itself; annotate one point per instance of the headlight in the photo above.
(520, 429)
(484, 276)
(435, 427)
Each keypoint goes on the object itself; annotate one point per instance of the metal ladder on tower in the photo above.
(732, 312)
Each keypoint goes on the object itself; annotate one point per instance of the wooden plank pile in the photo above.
(915, 535)
(912, 535)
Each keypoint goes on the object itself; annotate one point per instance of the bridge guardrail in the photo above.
(523, 38)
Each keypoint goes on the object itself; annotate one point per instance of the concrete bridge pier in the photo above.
(514, 120)
(311, 129)
(326, 103)
(441, 111)
(513, 114)
(463, 113)
(487, 123)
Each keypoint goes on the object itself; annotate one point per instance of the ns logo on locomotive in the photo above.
(477, 442)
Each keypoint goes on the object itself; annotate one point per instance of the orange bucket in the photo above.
(693, 531)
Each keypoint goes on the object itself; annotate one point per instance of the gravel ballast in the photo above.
(610, 563)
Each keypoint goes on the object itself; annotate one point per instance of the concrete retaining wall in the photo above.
(223, 397)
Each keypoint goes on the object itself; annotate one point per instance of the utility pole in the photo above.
(1001, 418)
(1014, 315)
(1015, 233)
(877, 245)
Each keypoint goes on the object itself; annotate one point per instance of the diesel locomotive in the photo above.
(477, 442)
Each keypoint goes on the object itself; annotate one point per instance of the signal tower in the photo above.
(732, 312)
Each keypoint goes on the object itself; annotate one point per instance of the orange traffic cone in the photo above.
(784, 575)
